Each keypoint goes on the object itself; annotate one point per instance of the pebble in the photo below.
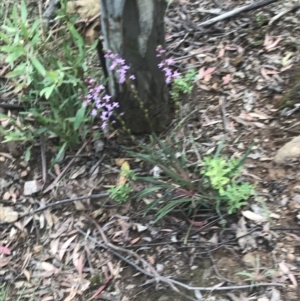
(6, 196)
(24, 174)
(284, 201)
(32, 187)
(290, 257)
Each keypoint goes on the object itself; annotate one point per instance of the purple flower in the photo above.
(176, 74)
(160, 65)
(104, 116)
(132, 77)
(106, 98)
(169, 61)
(94, 112)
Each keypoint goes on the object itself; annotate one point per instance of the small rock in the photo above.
(24, 174)
(297, 198)
(290, 150)
(284, 201)
(37, 249)
(249, 260)
(31, 187)
(6, 196)
(23, 164)
(159, 267)
(98, 146)
(290, 257)
(274, 215)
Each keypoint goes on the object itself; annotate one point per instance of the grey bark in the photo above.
(133, 29)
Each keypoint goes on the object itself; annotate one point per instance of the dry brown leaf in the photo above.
(54, 246)
(8, 215)
(86, 9)
(75, 256)
(124, 168)
(65, 247)
(48, 267)
(27, 275)
(72, 294)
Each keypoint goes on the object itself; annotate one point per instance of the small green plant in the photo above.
(258, 275)
(177, 188)
(261, 20)
(221, 176)
(121, 193)
(183, 84)
(47, 72)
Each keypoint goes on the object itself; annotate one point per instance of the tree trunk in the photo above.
(133, 29)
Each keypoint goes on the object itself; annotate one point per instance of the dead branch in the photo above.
(276, 18)
(237, 11)
(57, 204)
(149, 271)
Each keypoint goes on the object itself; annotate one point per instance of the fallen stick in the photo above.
(151, 272)
(237, 11)
(280, 15)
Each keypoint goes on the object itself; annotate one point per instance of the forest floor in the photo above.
(244, 65)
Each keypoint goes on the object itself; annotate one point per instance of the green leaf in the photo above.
(10, 29)
(15, 16)
(61, 150)
(24, 31)
(19, 51)
(23, 12)
(47, 91)
(38, 66)
(27, 154)
(9, 48)
(4, 38)
(20, 69)
(79, 118)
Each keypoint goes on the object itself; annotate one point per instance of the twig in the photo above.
(237, 11)
(223, 111)
(59, 203)
(153, 274)
(51, 186)
(276, 18)
(10, 106)
(43, 158)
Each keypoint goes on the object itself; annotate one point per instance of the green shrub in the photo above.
(47, 72)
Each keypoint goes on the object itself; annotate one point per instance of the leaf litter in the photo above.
(235, 60)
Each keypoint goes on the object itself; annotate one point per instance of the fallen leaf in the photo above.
(65, 247)
(5, 250)
(8, 215)
(124, 169)
(226, 79)
(254, 217)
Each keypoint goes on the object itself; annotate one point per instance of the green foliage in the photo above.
(47, 71)
(178, 188)
(221, 174)
(121, 193)
(183, 84)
